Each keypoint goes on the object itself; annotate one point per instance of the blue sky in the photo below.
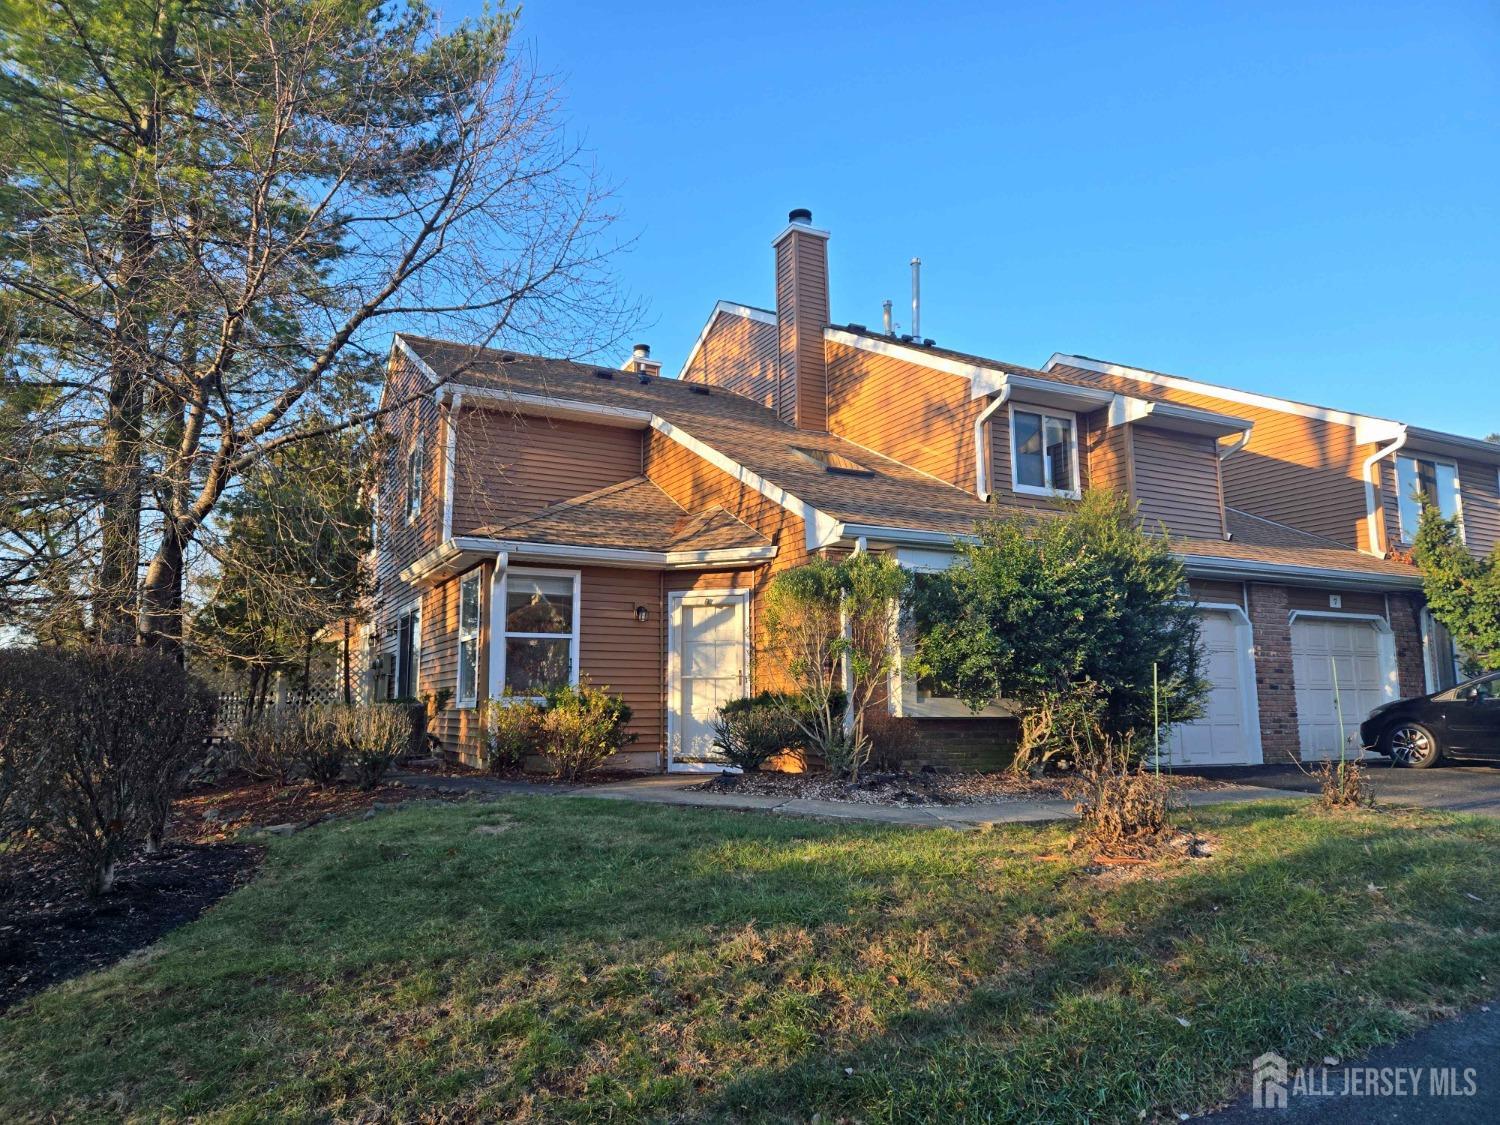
(1300, 199)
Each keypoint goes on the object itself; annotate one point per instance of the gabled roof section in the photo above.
(741, 437)
(634, 515)
(725, 308)
(1257, 542)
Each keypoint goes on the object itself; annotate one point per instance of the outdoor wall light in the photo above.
(641, 613)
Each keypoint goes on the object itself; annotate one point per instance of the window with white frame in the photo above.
(1424, 479)
(1043, 452)
(467, 693)
(540, 630)
(415, 460)
(408, 659)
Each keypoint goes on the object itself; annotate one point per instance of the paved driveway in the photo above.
(1464, 787)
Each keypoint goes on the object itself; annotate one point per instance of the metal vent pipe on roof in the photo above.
(916, 298)
(886, 315)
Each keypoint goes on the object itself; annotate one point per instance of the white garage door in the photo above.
(1222, 736)
(1366, 674)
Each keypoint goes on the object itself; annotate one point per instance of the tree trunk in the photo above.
(161, 598)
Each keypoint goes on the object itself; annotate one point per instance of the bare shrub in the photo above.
(512, 730)
(582, 727)
(322, 751)
(269, 747)
(98, 775)
(373, 738)
(1344, 785)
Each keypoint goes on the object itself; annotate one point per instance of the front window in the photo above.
(414, 471)
(1422, 479)
(468, 641)
(541, 630)
(408, 654)
(1044, 453)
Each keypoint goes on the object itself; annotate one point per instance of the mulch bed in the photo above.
(911, 790)
(50, 931)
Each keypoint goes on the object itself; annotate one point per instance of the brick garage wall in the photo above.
(963, 744)
(1406, 625)
(1275, 690)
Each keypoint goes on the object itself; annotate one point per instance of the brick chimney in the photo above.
(801, 316)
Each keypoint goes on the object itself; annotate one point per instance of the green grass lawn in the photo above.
(597, 959)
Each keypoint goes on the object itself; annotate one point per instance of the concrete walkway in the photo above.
(677, 789)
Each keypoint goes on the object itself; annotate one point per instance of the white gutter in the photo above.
(981, 462)
(1372, 512)
(454, 549)
(898, 535)
(1239, 570)
(1228, 451)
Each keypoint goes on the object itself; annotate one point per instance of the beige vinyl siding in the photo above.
(920, 417)
(1479, 485)
(617, 652)
(1177, 482)
(1304, 472)
(695, 484)
(507, 465)
(399, 543)
(802, 314)
(739, 355)
(1224, 593)
(1109, 458)
(1356, 601)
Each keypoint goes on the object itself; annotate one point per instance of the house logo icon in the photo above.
(1268, 1081)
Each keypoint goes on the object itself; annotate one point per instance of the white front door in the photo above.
(1224, 736)
(1365, 662)
(708, 664)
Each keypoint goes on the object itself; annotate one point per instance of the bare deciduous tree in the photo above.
(215, 215)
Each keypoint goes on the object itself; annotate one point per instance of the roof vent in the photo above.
(698, 388)
(929, 343)
(508, 358)
(644, 379)
(906, 337)
(603, 373)
(857, 327)
(799, 215)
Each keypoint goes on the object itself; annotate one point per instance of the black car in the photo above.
(1462, 722)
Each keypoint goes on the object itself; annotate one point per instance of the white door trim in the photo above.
(675, 602)
(1244, 639)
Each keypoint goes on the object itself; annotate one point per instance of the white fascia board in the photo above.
(1172, 416)
(523, 402)
(636, 559)
(728, 308)
(1238, 570)
(410, 353)
(1454, 445)
(818, 524)
(450, 449)
(898, 536)
(1368, 424)
(448, 557)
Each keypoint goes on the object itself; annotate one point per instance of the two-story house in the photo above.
(546, 519)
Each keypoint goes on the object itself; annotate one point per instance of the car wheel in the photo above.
(1412, 744)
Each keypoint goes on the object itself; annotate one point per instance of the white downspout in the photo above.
(1372, 521)
(1228, 451)
(981, 462)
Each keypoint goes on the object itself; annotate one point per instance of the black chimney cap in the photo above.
(642, 349)
(799, 215)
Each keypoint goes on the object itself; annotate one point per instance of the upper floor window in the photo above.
(1421, 479)
(415, 460)
(1044, 452)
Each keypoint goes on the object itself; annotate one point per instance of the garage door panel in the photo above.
(1356, 651)
(1221, 737)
